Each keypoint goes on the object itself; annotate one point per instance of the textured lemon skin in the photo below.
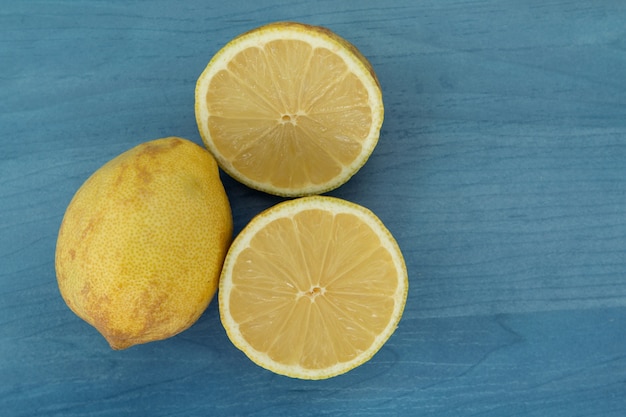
(142, 242)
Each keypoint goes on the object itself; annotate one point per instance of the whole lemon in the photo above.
(142, 242)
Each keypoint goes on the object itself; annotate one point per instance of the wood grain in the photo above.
(501, 171)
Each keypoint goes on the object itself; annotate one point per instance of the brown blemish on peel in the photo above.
(121, 174)
(157, 147)
(143, 174)
(90, 227)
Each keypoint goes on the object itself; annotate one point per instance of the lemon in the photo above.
(312, 287)
(290, 109)
(142, 242)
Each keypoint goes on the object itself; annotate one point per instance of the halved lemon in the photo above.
(312, 287)
(290, 109)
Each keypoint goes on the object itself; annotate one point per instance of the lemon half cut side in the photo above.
(312, 287)
(289, 109)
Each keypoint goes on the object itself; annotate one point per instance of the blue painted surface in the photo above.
(501, 171)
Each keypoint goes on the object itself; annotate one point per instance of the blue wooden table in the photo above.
(501, 171)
